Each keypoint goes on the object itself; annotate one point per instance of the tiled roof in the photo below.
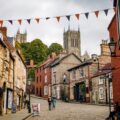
(81, 65)
(57, 61)
(104, 70)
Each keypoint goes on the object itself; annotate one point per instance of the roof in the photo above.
(111, 21)
(51, 62)
(58, 60)
(81, 65)
(104, 70)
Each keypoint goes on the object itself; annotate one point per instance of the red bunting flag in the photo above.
(37, 20)
(96, 13)
(10, 21)
(58, 18)
(106, 12)
(20, 21)
(1, 23)
(77, 16)
(87, 14)
(68, 17)
(115, 10)
(29, 20)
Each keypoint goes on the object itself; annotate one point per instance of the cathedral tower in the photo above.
(21, 38)
(72, 43)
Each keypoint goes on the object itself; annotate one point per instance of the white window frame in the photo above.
(101, 80)
(73, 74)
(45, 78)
(45, 90)
(101, 93)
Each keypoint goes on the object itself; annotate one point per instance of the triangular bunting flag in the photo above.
(68, 17)
(87, 14)
(58, 18)
(115, 10)
(106, 12)
(10, 21)
(20, 21)
(77, 16)
(96, 13)
(37, 20)
(29, 20)
(47, 18)
(1, 23)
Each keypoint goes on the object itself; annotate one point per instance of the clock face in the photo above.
(1, 36)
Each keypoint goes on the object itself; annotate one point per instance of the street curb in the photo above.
(27, 116)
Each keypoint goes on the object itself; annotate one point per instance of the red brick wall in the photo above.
(40, 84)
(115, 61)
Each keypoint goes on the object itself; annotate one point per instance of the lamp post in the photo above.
(112, 46)
(109, 84)
(29, 105)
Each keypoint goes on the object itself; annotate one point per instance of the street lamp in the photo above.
(112, 46)
(29, 104)
(109, 84)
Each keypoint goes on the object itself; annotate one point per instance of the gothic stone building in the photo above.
(72, 43)
(21, 37)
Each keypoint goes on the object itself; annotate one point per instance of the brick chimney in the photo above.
(3, 30)
(105, 48)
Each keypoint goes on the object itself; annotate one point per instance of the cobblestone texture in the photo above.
(70, 111)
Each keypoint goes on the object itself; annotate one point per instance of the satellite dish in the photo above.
(1, 36)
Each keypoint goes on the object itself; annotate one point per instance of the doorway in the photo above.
(80, 92)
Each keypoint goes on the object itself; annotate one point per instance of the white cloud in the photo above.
(92, 30)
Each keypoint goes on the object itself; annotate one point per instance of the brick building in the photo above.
(43, 78)
(114, 31)
(100, 86)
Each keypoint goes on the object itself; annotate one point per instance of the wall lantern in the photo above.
(112, 46)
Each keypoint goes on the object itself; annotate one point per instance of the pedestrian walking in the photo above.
(54, 102)
(49, 102)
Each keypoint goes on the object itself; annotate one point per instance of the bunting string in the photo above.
(58, 18)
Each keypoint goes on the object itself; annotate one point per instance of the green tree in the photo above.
(36, 50)
(54, 47)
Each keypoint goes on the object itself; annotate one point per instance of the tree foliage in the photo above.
(36, 50)
(55, 47)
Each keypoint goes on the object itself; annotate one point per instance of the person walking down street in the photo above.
(49, 102)
(54, 102)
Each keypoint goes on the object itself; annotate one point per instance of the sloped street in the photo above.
(70, 111)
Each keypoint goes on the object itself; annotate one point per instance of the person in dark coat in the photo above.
(49, 102)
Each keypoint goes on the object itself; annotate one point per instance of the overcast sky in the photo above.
(93, 29)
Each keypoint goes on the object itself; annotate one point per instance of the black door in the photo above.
(77, 92)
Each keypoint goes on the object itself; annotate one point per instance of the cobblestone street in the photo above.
(70, 111)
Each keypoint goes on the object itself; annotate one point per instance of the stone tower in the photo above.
(21, 37)
(72, 43)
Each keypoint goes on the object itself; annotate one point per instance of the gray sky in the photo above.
(93, 29)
